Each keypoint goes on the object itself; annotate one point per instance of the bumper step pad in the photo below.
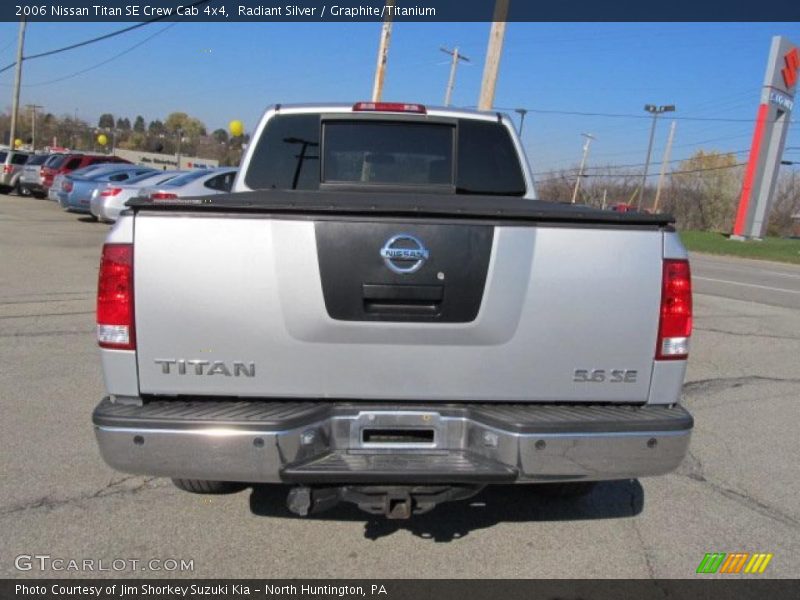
(440, 467)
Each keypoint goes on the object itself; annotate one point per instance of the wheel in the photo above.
(201, 486)
(571, 489)
(22, 191)
(4, 189)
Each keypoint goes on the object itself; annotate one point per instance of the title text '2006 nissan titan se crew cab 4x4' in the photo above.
(383, 313)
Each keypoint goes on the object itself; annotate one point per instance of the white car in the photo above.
(200, 182)
(108, 201)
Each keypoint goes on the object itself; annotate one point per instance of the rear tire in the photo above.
(571, 489)
(22, 191)
(202, 486)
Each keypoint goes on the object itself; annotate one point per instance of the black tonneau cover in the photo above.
(403, 204)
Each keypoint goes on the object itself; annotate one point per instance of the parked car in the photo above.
(107, 202)
(30, 181)
(11, 163)
(77, 188)
(58, 191)
(67, 163)
(200, 182)
(391, 319)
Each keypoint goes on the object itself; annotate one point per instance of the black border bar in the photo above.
(223, 11)
(741, 587)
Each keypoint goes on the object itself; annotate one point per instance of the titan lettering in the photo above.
(205, 367)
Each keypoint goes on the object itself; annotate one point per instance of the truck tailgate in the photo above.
(242, 305)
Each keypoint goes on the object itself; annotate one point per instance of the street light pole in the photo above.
(589, 137)
(34, 108)
(655, 111)
(664, 163)
(521, 112)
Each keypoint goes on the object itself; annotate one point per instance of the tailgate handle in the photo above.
(414, 299)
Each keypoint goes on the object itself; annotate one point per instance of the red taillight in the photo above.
(110, 192)
(115, 326)
(675, 324)
(389, 107)
(66, 186)
(163, 196)
(7, 169)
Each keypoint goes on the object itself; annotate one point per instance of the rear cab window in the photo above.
(37, 159)
(19, 159)
(221, 182)
(460, 156)
(55, 162)
(187, 177)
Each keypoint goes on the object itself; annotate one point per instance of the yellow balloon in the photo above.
(17, 143)
(236, 128)
(102, 139)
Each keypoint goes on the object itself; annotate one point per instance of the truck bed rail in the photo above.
(299, 203)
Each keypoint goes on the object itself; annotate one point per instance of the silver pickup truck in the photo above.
(383, 313)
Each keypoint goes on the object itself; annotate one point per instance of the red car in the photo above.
(622, 207)
(67, 163)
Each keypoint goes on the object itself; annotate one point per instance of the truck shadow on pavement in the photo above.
(455, 520)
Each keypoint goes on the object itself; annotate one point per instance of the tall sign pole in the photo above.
(492, 65)
(17, 83)
(769, 139)
(383, 54)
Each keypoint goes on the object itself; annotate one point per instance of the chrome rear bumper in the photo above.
(316, 442)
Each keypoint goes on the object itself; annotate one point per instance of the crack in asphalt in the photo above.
(35, 294)
(115, 487)
(740, 334)
(32, 316)
(648, 559)
(23, 334)
(78, 299)
(720, 384)
(692, 469)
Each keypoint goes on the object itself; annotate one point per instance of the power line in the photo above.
(98, 38)
(634, 165)
(576, 113)
(100, 64)
(652, 174)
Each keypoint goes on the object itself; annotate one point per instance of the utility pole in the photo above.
(34, 108)
(655, 111)
(178, 156)
(383, 54)
(17, 83)
(521, 112)
(492, 65)
(589, 137)
(453, 66)
(664, 162)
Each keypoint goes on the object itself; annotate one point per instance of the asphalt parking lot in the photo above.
(737, 491)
